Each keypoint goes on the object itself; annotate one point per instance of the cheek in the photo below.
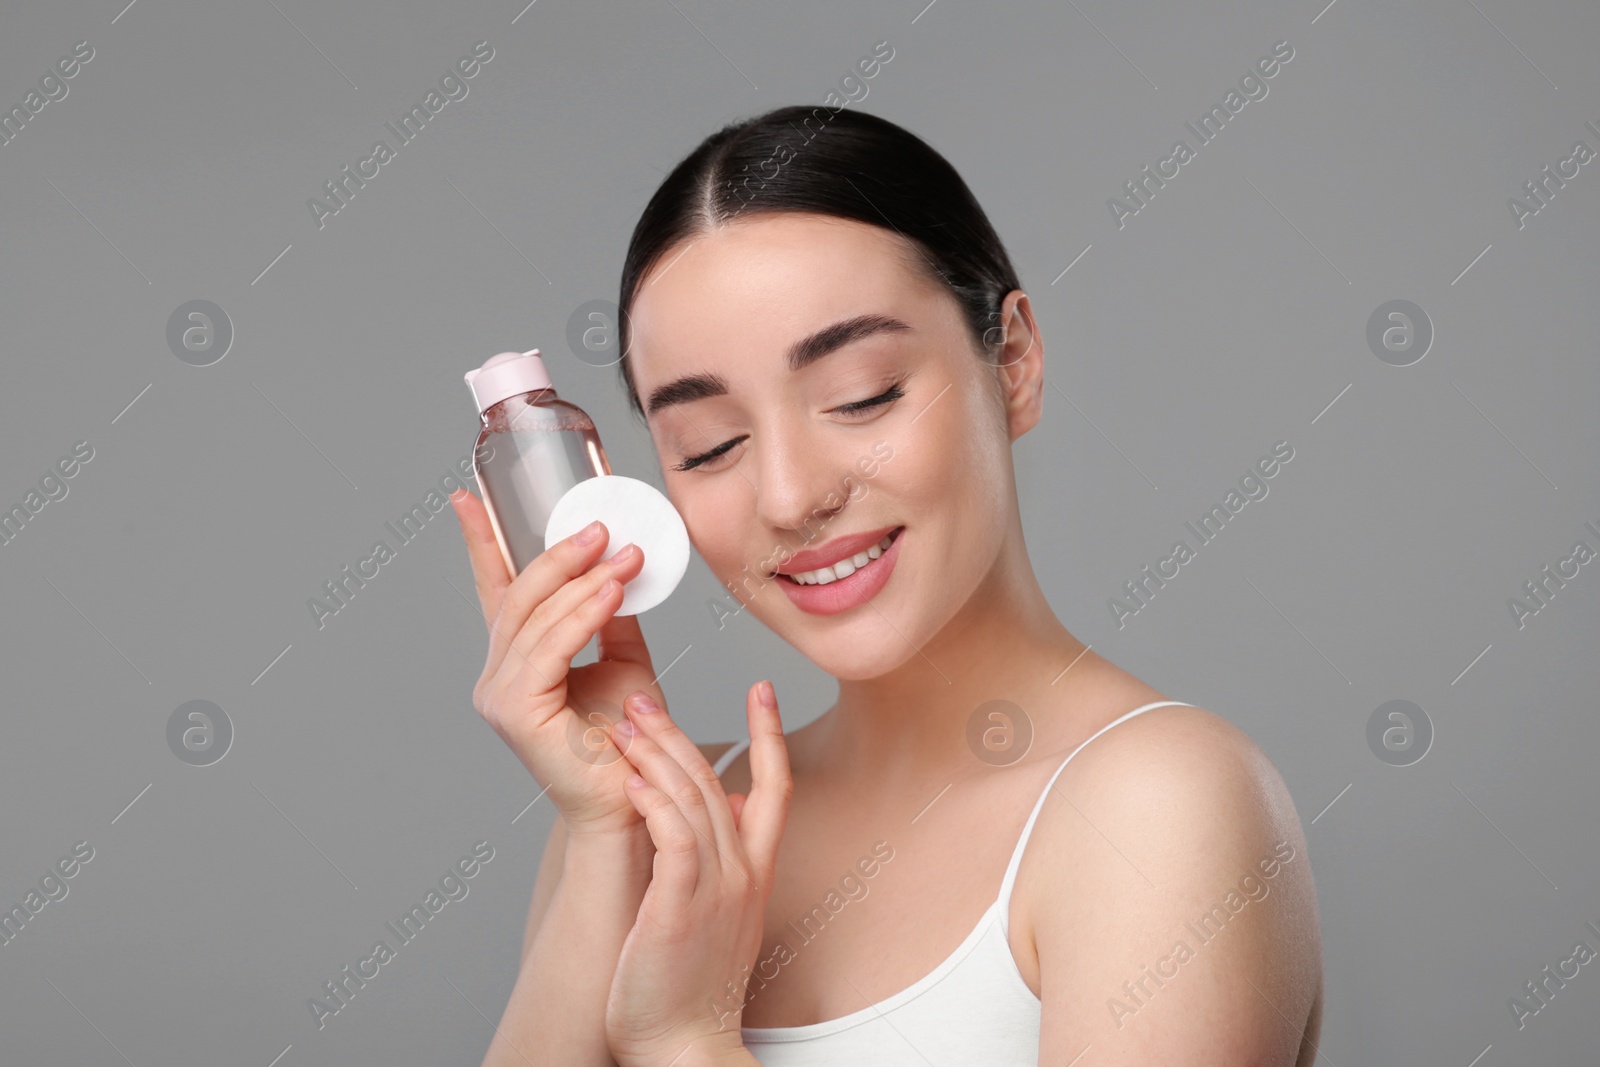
(713, 531)
(986, 476)
(953, 463)
(953, 477)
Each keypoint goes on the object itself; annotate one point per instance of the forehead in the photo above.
(752, 287)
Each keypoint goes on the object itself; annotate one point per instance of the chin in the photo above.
(859, 663)
(869, 647)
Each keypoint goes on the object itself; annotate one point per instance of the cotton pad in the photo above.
(634, 512)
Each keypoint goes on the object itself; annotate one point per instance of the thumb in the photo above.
(621, 640)
(736, 802)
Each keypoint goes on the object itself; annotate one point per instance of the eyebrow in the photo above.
(801, 354)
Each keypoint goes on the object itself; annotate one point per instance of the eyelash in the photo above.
(894, 392)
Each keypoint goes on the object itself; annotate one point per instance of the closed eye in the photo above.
(893, 393)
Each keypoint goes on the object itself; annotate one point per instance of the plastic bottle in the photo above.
(540, 446)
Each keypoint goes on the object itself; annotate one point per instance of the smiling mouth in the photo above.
(845, 567)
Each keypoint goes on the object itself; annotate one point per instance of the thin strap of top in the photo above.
(725, 760)
(1006, 885)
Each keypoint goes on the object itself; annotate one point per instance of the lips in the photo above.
(844, 594)
(827, 555)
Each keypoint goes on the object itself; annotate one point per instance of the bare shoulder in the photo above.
(1183, 787)
(1185, 763)
(1160, 833)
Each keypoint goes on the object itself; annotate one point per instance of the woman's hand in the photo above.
(680, 980)
(555, 717)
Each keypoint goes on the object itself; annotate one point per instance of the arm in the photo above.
(1174, 916)
(544, 884)
(556, 1012)
(606, 881)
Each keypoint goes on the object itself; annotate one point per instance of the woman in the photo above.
(833, 355)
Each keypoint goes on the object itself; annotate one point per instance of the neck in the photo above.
(912, 723)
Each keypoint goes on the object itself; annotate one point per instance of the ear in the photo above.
(1019, 361)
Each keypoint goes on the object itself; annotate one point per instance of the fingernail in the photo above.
(625, 728)
(587, 535)
(644, 705)
(768, 696)
(623, 554)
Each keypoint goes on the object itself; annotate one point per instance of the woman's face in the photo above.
(726, 310)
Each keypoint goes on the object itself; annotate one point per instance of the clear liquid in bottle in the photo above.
(537, 446)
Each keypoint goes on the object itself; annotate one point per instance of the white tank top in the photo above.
(974, 1007)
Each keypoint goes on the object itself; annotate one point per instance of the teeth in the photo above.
(845, 567)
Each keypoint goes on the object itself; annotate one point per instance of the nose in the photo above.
(800, 482)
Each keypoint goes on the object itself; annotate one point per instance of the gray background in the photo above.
(1229, 314)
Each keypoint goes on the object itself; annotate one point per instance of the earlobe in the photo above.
(1024, 407)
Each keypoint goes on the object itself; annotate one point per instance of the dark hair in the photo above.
(843, 163)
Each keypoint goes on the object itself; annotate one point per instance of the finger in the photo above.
(558, 564)
(622, 640)
(489, 572)
(676, 869)
(766, 809)
(736, 805)
(549, 571)
(552, 589)
(658, 726)
(563, 625)
(662, 771)
(543, 666)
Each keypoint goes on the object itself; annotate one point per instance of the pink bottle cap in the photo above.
(505, 375)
